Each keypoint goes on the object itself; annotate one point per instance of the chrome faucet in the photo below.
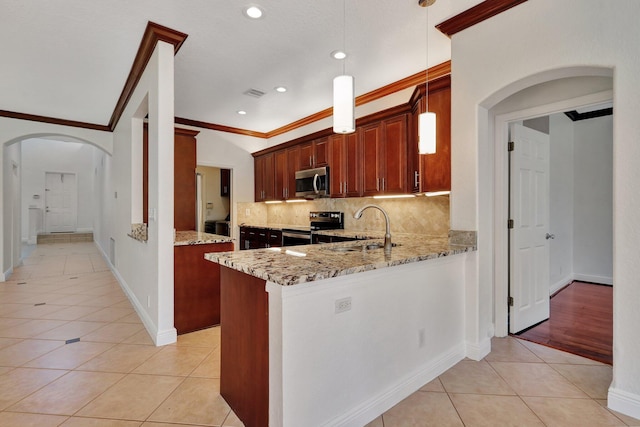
(387, 234)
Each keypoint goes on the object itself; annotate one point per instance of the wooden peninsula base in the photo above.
(244, 361)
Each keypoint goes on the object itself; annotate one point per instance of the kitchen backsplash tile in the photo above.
(423, 215)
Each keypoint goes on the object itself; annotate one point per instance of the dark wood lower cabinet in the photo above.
(196, 287)
(244, 359)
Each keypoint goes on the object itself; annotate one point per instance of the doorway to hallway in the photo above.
(61, 202)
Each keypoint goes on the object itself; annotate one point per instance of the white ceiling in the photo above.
(69, 59)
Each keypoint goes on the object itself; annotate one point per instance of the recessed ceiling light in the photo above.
(242, 112)
(281, 89)
(253, 12)
(338, 54)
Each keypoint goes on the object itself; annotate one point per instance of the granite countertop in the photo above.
(184, 238)
(276, 227)
(299, 264)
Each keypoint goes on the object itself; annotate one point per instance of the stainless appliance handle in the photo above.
(315, 183)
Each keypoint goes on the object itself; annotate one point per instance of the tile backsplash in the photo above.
(423, 215)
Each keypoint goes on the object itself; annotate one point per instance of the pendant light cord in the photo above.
(344, 35)
(427, 58)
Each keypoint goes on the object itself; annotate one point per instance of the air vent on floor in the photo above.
(256, 93)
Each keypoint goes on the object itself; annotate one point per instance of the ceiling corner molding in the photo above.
(475, 15)
(221, 128)
(152, 34)
(53, 120)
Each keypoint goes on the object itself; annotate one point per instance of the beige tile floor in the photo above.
(115, 377)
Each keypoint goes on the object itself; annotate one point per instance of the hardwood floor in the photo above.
(581, 322)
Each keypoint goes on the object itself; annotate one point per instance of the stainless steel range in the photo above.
(320, 220)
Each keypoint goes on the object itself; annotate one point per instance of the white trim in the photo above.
(159, 337)
(500, 192)
(7, 274)
(555, 287)
(372, 408)
(478, 351)
(601, 280)
(624, 402)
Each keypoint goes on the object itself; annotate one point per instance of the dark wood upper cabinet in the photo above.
(314, 153)
(434, 169)
(184, 202)
(264, 177)
(184, 184)
(225, 182)
(381, 157)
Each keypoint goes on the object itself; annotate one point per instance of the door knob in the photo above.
(550, 236)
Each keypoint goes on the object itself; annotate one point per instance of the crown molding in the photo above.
(53, 120)
(152, 35)
(434, 73)
(475, 15)
(221, 128)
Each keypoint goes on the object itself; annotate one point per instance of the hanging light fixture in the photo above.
(343, 91)
(427, 120)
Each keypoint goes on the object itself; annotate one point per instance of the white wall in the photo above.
(11, 207)
(572, 37)
(561, 201)
(145, 269)
(12, 131)
(593, 207)
(345, 369)
(581, 205)
(227, 151)
(40, 156)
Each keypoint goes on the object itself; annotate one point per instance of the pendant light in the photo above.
(427, 120)
(343, 91)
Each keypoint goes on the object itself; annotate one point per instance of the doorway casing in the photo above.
(498, 128)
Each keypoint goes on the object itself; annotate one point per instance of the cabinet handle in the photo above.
(415, 178)
(377, 184)
(383, 184)
(345, 188)
(310, 161)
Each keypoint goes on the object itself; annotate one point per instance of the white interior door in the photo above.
(61, 202)
(528, 237)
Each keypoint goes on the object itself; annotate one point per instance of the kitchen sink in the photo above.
(360, 247)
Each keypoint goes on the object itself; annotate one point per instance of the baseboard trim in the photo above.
(603, 280)
(478, 351)
(560, 284)
(624, 402)
(7, 274)
(159, 337)
(372, 408)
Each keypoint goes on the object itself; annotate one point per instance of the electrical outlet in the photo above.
(343, 304)
(247, 212)
(148, 301)
(421, 338)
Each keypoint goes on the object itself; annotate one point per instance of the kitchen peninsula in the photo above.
(335, 334)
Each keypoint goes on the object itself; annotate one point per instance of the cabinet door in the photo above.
(352, 186)
(306, 155)
(281, 178)
(321, 152)
(293, 156)
(371, 155)
(436, 168)
(264, 176)
(394, 178)
(337, 165)
(225, 182)
(184, 208)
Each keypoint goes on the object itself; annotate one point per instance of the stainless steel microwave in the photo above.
(312, 183)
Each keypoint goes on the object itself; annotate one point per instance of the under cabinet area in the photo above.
(380, 158)
(258, 238)
(196, 286)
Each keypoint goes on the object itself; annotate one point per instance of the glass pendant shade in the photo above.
(427, 133)
(343, 105)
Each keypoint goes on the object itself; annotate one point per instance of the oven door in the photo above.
(312, 182)
(295, 238)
